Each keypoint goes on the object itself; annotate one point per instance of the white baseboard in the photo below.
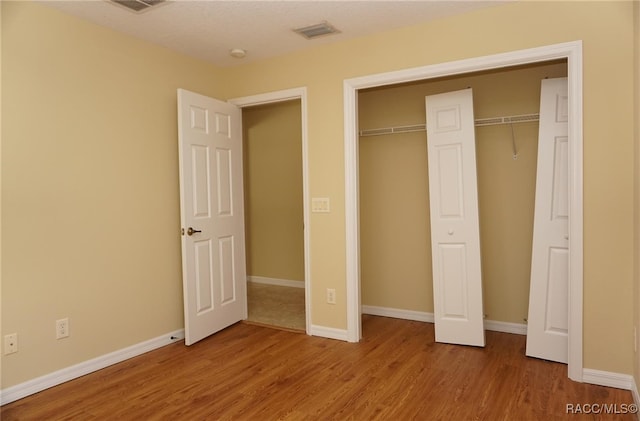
(396, 313)
(39, 384)
(505, 327)
(423, 316)
(609, 379)
(328, 332)
(274, 281)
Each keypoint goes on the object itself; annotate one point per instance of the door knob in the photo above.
(191, 231)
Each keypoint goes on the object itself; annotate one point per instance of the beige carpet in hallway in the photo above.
(276, 305)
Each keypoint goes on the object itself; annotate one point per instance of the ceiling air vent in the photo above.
(318, 30)
(137, 5)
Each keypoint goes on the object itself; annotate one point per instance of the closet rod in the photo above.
(492, 121)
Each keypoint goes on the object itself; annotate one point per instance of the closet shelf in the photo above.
(492, 121)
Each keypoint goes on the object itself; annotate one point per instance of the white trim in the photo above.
(269, 97)
(328, 332)
(609, 379)
(352, 220)
(506, 327)
(275, 281)
(280, 96)
(576, 238)
(572, 51)
(398, 313)
(423, 316)
(39, 384)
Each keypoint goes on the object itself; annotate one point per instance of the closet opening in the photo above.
(388, 235)
(395, 252)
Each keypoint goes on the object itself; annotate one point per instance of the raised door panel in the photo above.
(205, 281)
(227, 270)
(454, 300)
(556, 315)
(449, 180)
(225, 182)
(201, 188)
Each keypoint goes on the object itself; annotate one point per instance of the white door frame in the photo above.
(572, 52)
(280, 96)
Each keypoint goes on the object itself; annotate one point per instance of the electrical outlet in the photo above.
(62, 328)
(10, 343)
(331, 296)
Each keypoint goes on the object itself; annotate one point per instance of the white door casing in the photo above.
(211, 203)
(280, 96)
(547, 328)
(455, 232)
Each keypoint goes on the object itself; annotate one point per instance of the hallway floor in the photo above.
(274, 305)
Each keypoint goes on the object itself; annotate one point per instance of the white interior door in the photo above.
(212, 214)
(547, 328)
(455, 232)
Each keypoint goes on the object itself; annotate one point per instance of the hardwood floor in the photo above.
(397, 372)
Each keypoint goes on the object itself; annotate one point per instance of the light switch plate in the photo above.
(320, 204)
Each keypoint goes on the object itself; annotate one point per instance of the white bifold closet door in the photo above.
(455, 233)
(547, 329)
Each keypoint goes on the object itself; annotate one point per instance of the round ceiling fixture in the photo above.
(238, 53)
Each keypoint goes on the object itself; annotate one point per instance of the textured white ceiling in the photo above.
(209, 29)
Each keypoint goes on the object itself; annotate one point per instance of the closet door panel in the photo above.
(455, 234)
(547, 328)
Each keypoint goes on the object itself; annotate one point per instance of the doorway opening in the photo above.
(276, 211)
(272, 151)
(572, 53)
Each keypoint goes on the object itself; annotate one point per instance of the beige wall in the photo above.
(90, 214)
(273, 190)
(90, 191)
(394, 212)
(606, 29)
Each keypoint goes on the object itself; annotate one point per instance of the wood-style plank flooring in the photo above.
(397, 372)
